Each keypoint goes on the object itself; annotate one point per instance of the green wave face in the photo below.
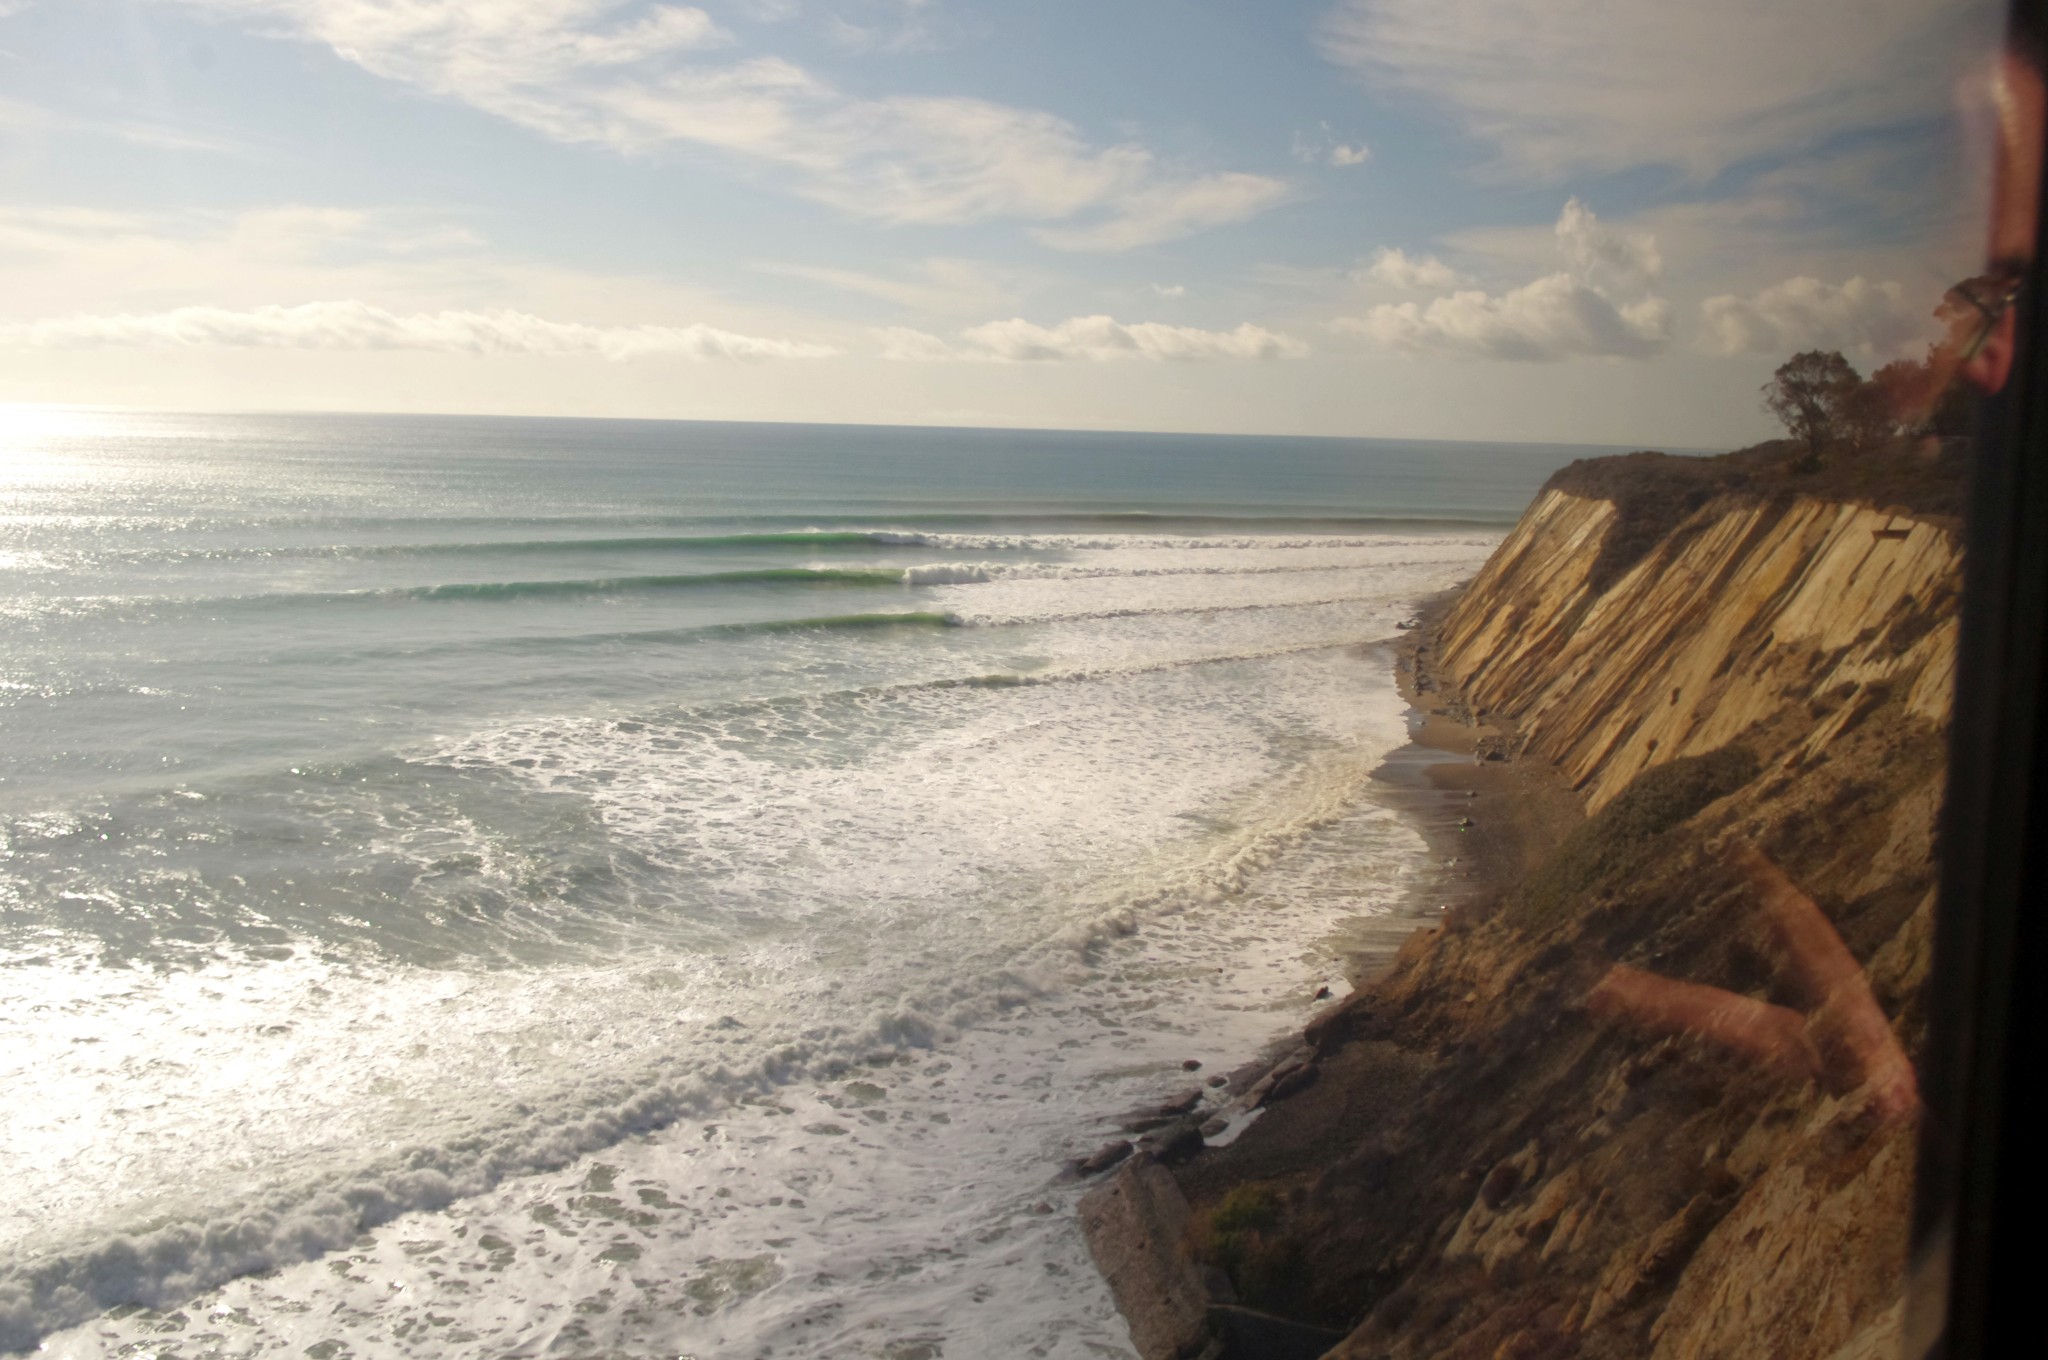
(796, 538)
(492, 590)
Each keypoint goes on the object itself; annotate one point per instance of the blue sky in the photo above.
(1597, 220)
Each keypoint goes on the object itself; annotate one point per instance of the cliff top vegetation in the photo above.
(1653, 493)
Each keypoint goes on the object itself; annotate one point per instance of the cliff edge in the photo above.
(1653, 1096)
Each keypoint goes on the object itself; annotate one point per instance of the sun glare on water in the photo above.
(32, 439)
(23, 422)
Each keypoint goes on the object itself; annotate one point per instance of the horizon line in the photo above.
(109, 408)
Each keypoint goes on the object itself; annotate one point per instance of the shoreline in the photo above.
(1441, 779)
(1486, 820)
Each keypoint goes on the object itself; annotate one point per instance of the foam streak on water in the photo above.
(449, 912)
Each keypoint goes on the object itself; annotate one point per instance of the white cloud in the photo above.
(575, 71)
(351, 325)
(1090, 339)
(1170, 290)
(1871, 320)
(1350, 155)
(1394, 268)
(935, 285)
(1603, 304)
(1164, 212)
(1607, 259)
(914, 346)
(1555, 317)
(903, 26)
(1592, 85)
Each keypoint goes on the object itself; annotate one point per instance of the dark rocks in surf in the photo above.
(1104, 1157)
(1175, 1143)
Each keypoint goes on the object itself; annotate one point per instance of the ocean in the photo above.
(478, 886)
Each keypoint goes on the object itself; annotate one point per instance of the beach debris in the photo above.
(1322, 993)
(1466, 823)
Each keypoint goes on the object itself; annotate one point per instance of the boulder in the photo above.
(1104, 1157)
(1136, 1227)
(1176, 1142)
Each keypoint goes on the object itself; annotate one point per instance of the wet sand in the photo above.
(1488, 822)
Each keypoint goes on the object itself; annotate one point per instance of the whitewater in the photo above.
(632, 888)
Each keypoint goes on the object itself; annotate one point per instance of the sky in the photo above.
(1586, 221)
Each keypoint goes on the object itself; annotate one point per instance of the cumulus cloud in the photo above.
(1089, 339)
(1170, 290)
(590, 71)
(1394, 268)
(1872, 320)
(1606, 259)
(1593, 85)
(351, 325)
(1603, 304)
(1556, 317)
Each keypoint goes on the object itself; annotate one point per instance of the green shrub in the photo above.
(1245, 1237)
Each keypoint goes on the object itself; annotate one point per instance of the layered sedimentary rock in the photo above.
(1655, 1098)
(1750, 606)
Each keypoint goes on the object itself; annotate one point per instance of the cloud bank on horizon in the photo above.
(1349, 212)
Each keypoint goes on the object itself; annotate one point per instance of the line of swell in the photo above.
(978, 573)
(1132, 531)
(919, 620)
(495, 590)
(479, 590)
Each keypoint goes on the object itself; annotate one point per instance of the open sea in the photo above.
(494, 887)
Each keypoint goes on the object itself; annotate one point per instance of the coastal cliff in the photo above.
(1648, 1091)
(1747, 608)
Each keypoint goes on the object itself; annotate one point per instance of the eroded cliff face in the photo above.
(1492, 1167)
(1749, 608)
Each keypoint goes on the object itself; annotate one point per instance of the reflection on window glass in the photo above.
(919, 678)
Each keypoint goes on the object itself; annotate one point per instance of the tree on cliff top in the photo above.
(1816, 395)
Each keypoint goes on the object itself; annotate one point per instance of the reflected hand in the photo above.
(1839, 1037)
